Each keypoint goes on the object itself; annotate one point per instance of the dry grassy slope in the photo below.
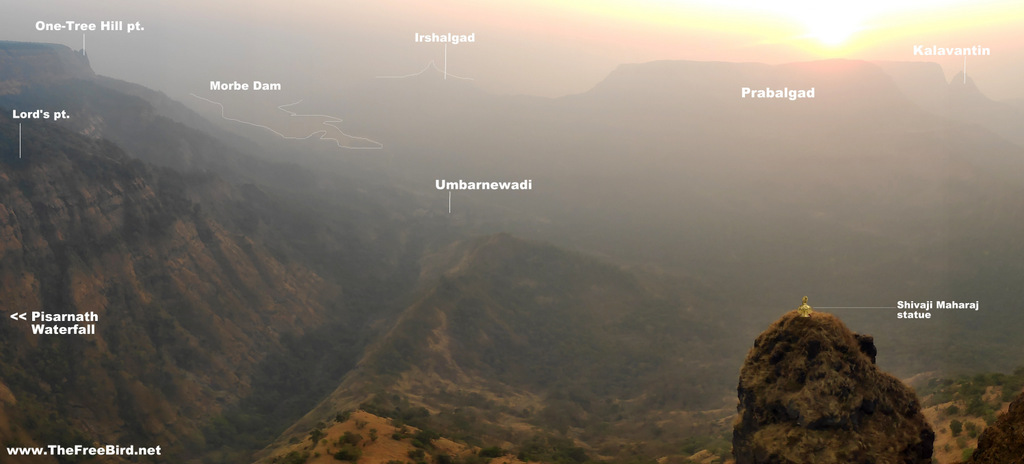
(416, 386)
(546, 338)
(955, 399)
(379, 451)
(1003, 442)
(948, 449)
(416, 382)
(186, 306)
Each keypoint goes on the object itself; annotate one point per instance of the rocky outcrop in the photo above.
(1003, 441)
(809, 391)
(22, 64)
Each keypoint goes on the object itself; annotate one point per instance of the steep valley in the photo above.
(259, 299)
(187, 306)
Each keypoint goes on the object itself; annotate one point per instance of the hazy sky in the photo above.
(540, 47)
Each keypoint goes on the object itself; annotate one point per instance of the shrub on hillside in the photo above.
(955, 427)
(492, 452)
(348, 453)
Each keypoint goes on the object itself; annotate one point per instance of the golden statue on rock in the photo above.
(805, 309)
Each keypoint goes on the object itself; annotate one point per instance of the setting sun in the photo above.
(831, 29)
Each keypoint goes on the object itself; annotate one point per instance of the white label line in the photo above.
(19, 140)
(965, 69)
(449, 202)
(446, 61)
(431, 64)
(83, 44)
(855, 307)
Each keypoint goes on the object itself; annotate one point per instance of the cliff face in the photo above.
(187, 307)
(209, 294)
(809, 392)
(142, 122)
(24, 63)
(1003, 441)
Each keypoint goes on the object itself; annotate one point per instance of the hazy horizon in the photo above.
(530, 48)
(561, 240)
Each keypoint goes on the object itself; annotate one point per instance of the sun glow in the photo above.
(831, 29)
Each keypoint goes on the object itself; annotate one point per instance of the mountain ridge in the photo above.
(217, 280)
(50, 63)
(390, 303)
(513, 329)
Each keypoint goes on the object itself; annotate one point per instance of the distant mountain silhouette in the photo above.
(959, 99)
(254, 282)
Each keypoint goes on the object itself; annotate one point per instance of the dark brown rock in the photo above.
(1003, 441)
(809, 391)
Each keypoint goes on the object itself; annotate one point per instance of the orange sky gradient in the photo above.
(525, 46)
(538, 47)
